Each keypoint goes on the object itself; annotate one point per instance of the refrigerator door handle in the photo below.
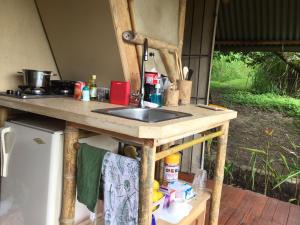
(5, 155)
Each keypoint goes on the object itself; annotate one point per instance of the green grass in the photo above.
(269, 101)
(234, 78)
(236, 84)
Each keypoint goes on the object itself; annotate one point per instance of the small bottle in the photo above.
(156, 97)
(86, 94)
(93, 87)
(171, 167)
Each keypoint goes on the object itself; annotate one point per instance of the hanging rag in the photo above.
(89, 182)
(121, 189)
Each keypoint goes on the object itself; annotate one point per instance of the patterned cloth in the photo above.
(121, 189)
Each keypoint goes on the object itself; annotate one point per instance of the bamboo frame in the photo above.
(69, 176)
(219, 175)
(138, 39)
(167, 51)
(3, 115)
(146, 183)
(149, 157)
(187, 145)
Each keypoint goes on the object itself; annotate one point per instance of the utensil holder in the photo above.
(185, 91)
(171, 97)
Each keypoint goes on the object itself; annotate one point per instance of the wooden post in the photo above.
(3, 116)
(128, 54)
(182, 12)
(69, 176)
(146, 182)
(219, 175)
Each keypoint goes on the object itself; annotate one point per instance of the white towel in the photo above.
(121, 189)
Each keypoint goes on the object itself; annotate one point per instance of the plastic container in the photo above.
(119, 92)
(171, 167)
(86, 94)
(157, 96)
(200, 179)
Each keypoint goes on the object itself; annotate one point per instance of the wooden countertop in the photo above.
(79, 112)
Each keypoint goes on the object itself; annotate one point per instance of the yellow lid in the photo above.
(173, 159)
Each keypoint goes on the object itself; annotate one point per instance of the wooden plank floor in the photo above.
(243, 207)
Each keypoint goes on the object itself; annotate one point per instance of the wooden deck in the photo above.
(243, 207)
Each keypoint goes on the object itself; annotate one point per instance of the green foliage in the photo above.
(230, 67)
(260, 72)
(267, 170)
(269, 101)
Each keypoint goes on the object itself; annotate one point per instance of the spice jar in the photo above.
(171, 167)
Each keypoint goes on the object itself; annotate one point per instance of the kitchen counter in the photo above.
(152, 137)
(79, 112)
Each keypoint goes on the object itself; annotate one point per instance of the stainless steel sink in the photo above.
(143, 114)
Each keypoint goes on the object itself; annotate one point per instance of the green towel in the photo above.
(89, 167)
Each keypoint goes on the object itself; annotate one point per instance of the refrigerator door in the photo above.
(30, 191)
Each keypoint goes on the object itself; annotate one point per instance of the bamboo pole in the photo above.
(138, 39)
(3, 116)
(187, 145)
(219, 175)
(181, 25)
(69, 175)
(146, 182)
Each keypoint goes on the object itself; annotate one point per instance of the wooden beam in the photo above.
(69, 176)
(128, 54)
(219, 175)
(138, 48)
(146, 182)
(138, 39)
(258, 42)
(181, 25)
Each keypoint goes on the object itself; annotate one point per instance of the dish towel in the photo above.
(89, 182)
(121, 189)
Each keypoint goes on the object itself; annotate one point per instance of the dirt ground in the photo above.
(248, 130)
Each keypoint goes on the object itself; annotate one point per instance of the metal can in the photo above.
(78, 89)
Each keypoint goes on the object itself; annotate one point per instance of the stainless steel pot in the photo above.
(36, 78)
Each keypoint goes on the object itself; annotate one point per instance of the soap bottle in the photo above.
(86, 94)
(157, 96)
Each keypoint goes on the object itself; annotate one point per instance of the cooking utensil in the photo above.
(185, 72)
(36, 78)
(190, 74)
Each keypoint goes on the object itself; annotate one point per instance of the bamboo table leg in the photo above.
(69, 176)
(219, 175)
(3, 116)
(146, 182)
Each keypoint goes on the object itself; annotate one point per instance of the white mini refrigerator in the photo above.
(31, 172)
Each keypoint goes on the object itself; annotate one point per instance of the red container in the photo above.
(119, 92)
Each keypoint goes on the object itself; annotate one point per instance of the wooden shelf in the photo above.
(199, 206)
(198, 203)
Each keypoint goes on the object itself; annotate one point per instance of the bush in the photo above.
(230, 67)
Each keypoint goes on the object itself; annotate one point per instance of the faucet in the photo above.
(144, 59)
